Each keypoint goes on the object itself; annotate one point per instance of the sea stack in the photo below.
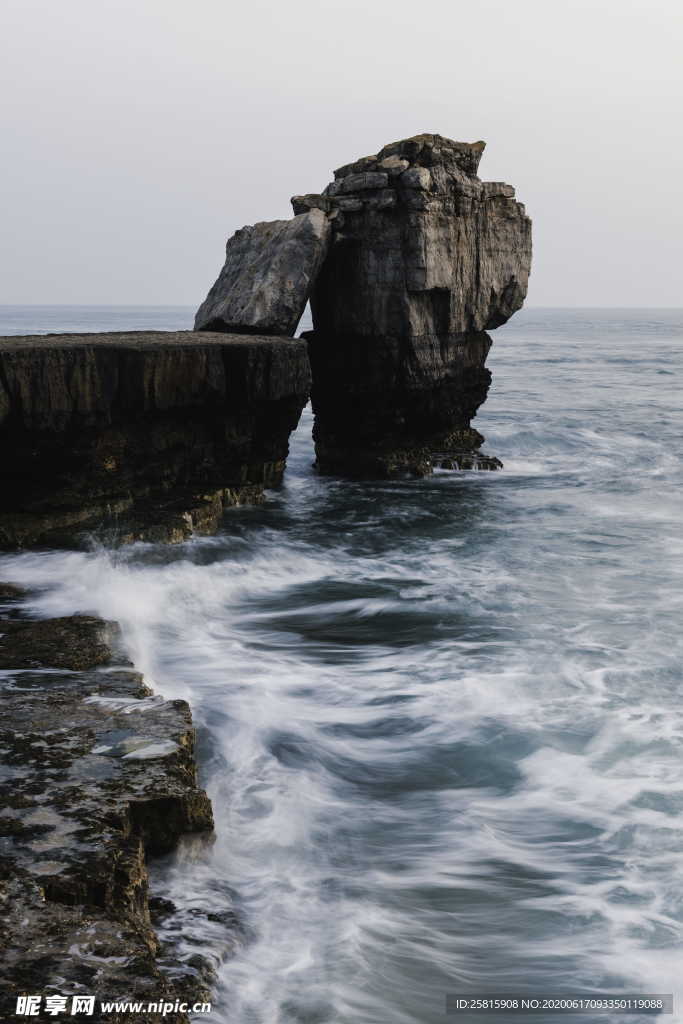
(423, 260)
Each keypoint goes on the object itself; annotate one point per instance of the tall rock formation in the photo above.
(424, 258)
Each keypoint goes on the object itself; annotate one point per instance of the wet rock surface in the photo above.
(424, 259)
(96, 774)
(74, 642)
(141, 435)
(267, 276)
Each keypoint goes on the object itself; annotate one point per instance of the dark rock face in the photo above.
(151, 434)
(424, 259)
(265, 282)
(97, 774)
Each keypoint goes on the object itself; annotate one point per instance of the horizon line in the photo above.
(185, 305)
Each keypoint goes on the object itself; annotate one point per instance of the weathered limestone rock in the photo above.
(266, 280)
(424, 259)
(147, 435)
(96, 774)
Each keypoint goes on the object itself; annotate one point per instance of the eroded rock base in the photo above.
(378, 415)
(96, 774)
(158, 519)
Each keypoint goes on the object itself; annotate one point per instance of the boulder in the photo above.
(266, 280)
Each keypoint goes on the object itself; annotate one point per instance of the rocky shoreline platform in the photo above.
(144, 435)
(97, 774)
(408, 260)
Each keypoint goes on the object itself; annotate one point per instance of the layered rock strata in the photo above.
(267, 276)
(97, 775)
(142, 435)
(424, 259)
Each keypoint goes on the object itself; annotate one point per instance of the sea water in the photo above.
(440, 720)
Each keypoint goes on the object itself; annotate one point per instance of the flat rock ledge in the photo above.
(142, 435)
(96, 774)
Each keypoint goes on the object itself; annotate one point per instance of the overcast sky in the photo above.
(138, 134)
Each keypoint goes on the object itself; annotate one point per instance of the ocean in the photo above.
(440, 720)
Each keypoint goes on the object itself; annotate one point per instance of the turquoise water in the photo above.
(441, 720)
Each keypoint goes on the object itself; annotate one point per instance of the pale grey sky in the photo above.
(138, 134)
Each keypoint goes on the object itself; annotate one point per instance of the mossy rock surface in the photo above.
(97, 775)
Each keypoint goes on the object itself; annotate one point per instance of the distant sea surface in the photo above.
(82, 319)
(441, 720)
